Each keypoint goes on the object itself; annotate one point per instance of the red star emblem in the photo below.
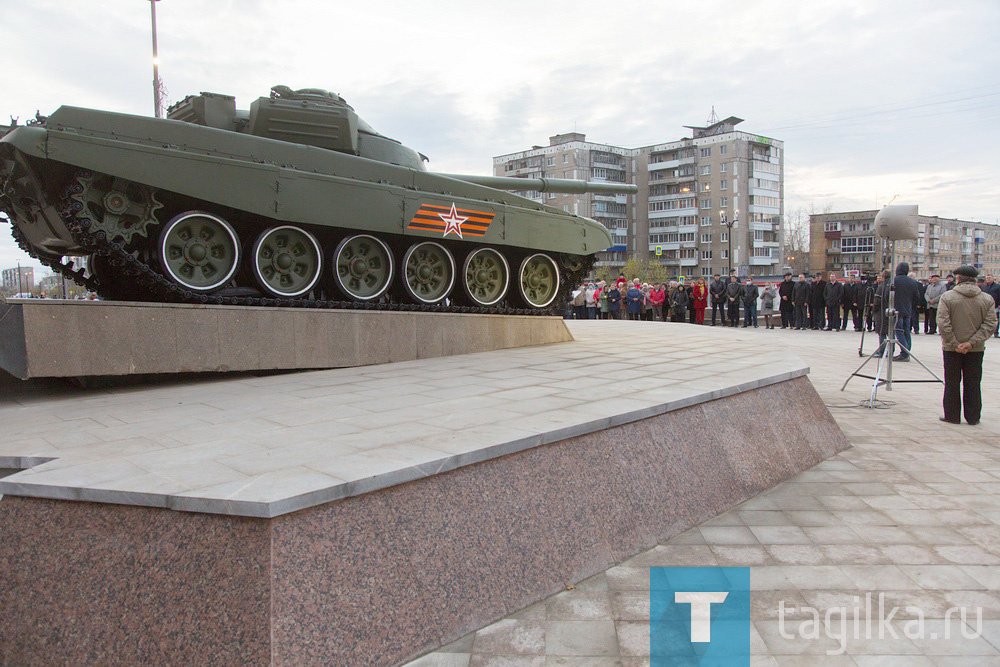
(452, 222)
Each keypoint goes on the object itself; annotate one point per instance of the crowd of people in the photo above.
(812, 302)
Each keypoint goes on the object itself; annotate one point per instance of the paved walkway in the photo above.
(912, 512)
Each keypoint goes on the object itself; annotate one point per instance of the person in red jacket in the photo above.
(699, 300)
(656, 296)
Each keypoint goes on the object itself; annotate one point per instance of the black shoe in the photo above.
(973, 423)
(948, 421)
(900, 357)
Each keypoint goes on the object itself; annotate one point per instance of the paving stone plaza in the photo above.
(911, 511)
(908, 514)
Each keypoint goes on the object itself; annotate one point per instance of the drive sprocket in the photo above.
(118, 207)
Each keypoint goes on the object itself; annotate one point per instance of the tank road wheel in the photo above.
(486, 276)
(287, 261)
(200, 251)
(538, 280)
(428, 272)
(362, 267)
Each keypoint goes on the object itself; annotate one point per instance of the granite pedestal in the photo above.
(417, 502)
(55, 338)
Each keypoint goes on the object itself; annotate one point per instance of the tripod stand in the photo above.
(887, 347)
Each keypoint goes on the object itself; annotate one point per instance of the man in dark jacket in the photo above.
(907, 293)
(852, 307)
(833, 295)
(800, 299)
(717, 290)
(750, 295)
(992, 287)
(733, 293)
(920, 309)
(818, 303)
(785, 292)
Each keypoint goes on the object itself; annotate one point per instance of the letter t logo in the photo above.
(701, 611)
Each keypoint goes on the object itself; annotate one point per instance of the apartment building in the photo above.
(846, 241)
(700, 198)
(18, 279)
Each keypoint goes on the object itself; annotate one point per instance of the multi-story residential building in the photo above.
(846, 241)
(12, 283)
(700, 198)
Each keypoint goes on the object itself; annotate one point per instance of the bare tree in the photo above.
(795, 235)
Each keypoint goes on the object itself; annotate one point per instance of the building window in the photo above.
(705, 204)
(832, 226)
(565, 158)
(722, 167)
(723, 202)
(723, 150)
(765, 201)
(724, 237)
(706, 271)
(724, 185)
(723, 254)
(706, 152)
(857, 244)
(706, 187)
(566, 207)
(706, 169)
(706, 221)
(706, 238)
(706, 254)
(550, 162)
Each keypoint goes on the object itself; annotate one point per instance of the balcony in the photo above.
(934, 251)
(689, 261)
(762, 261)
(833, 251)
(669, 164)
(761, 227)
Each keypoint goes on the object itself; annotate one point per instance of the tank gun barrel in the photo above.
(565, 186)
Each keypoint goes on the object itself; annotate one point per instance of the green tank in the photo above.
(296, 201)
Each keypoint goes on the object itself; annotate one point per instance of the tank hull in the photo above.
(65, 180)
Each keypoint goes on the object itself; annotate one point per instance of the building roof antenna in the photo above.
(713, 119)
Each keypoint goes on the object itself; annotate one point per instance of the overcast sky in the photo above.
(872, 98)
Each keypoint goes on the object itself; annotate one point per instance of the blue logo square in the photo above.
(699, 616)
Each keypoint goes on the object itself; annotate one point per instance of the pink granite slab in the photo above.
(379, 578)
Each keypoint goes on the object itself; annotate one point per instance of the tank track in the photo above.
(145, 283)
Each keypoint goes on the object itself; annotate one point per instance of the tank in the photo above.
(294, 202)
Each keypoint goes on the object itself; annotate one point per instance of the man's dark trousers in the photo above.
(787, 311)
(930, 320)
(963, 371)
(903, 335)
(734, 313)
(852, 312)
(833, 316)
(801, 318)
(719, 308)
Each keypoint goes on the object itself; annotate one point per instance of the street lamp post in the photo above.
(157, 102)
(729, 224)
